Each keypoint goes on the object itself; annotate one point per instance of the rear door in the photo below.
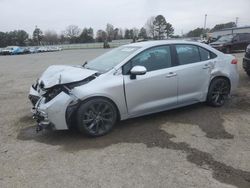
(195, 64)
(157, 89)
(238, 42)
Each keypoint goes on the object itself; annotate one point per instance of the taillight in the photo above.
(234, 61)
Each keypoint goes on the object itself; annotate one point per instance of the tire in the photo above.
(248, 73)
(218, 92)
(96, 117)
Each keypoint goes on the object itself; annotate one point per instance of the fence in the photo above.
(113, 44)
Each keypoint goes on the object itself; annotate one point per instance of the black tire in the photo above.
(96, 117)
(248, 73)
(218, 92)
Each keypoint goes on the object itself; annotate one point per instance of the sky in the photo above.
(56, 15)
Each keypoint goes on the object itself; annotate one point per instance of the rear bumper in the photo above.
(246, 64)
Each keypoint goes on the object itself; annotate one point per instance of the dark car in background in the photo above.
(246, 60)
(232, 42)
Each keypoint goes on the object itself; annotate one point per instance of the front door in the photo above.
(157, 89)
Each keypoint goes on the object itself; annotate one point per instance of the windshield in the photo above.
(226, 38)
(110, 59)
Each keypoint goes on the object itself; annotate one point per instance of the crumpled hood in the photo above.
(63, 74)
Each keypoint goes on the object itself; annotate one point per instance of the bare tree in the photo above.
(135, 32)
(110, 31)
(72, 32)
(101, 36)
(120, 33)
(50, 37)
(150, 27)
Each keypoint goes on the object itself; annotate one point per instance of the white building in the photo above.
(233, 30)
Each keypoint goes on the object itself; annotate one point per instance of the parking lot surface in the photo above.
(194, 146)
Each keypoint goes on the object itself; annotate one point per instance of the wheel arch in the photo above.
(106, 98)
(220, 76)
(71, 110)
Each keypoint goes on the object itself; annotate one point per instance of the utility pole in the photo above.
(236, 21)
(205, 22)
(205, 25)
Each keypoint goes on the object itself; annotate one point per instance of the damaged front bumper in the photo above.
(51, 114)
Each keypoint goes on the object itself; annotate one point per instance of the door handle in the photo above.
(171, 74)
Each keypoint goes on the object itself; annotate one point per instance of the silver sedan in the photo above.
(130, 81)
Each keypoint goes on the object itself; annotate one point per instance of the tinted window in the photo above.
(187, 54)
(205, 55)
(153, 59)
(244, 36)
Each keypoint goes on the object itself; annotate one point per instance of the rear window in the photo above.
(187, 54)
(206, 55)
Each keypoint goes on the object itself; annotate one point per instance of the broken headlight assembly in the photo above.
(52, 92)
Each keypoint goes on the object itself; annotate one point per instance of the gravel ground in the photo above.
(195, 146)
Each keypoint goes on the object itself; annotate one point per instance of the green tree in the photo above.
(37, 36)
(127, 34)
(3, 39)
(86, 35)
(143, 33)
(169, 30)
(195, 33)
(162, 28)
(21, 37)
(116, 34)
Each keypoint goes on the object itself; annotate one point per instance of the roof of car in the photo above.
(152, 43)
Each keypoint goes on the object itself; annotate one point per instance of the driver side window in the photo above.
(153, 59)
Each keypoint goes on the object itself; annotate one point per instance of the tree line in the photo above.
(155, 28)
(202, 31)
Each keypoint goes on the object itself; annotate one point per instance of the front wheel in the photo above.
(248, 73)
(96, 117)
(218, 91)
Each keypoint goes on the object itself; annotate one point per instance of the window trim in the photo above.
(172, 56)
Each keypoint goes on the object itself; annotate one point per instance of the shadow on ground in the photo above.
(147, 130)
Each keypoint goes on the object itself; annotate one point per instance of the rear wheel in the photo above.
(96, 117)
(218, 91)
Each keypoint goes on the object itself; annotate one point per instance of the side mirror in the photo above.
(137, 70)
